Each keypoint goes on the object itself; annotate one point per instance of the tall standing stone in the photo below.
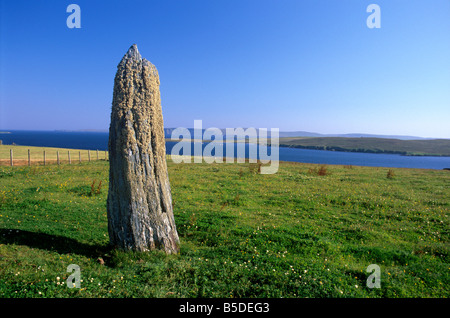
(139, 205)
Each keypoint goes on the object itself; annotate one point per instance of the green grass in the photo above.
(434, 147)
(292, 234)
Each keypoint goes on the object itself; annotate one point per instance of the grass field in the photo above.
(303, 232)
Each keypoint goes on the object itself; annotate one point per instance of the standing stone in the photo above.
(139, 205)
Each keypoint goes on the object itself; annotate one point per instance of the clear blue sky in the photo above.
(293, 65)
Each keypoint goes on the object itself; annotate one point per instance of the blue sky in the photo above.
(293, 65)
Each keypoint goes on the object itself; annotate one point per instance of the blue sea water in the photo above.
(99, 140)
(58, 139)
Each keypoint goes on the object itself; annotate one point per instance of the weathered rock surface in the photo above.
(139, 204)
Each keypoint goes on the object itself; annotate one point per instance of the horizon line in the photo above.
(344, 135)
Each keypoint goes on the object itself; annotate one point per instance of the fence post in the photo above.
(44, 157)
(97, 154)
(11, 157)
(57, 157)
(89, 155)
(105, 154)
(68, 155)
(29, 158)
(79, 156)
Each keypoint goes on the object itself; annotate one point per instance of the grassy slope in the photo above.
(292, 234)
(439, 147)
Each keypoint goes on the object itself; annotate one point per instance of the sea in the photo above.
(99, 141)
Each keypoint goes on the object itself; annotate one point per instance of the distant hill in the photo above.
(422, 147)
(353, 135)
(401, 137)
(168, 133)
(299, 134)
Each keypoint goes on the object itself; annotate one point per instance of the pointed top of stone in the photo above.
(134, 59)
(133, 53)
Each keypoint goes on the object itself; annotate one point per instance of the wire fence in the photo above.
(21, 156)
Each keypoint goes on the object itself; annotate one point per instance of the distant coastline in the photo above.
(83, 130)
(362, 150)
(367, 155)
(375, 145)
(422, 147)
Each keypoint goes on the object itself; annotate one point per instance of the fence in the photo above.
(48, 156)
